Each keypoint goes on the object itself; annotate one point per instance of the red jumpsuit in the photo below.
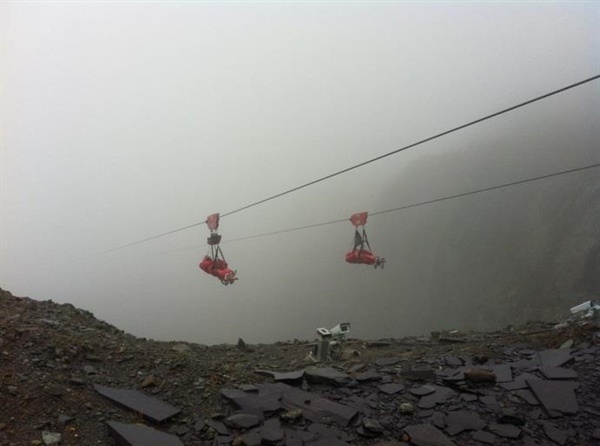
(219, 269)
(364, 256)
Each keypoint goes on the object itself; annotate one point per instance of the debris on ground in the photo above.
(67, 378)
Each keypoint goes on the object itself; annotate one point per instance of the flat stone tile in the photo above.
(422, 391)
(520, 382)
(505, 430)
(427, 435)
(391, 388)
(282, 376)
(369, 375)
(383, 362)
(556, 395)
(554, 357)
(558, 372)
(503, 373)
(140, 435)
(555, 434)
(151, 408)
(528, 396)
(483, 437)
(459, 421)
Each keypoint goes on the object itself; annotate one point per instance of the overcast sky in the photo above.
(123, 120)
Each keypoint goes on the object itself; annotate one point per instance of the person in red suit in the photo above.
(361, 252)
(219, 269)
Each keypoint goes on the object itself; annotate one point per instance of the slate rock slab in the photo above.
(440, 396)
(151, 408)
(276, 396)
(503, 373)
(384, 362)
(460, 421)
(368, 376)
(556, 395)
(271, 432)
(528, 396)
(290, 377)
(484, 437)
(554, 357)
(427, 435)
(265, 400)
(555, 434)
(558, 372)
(422, 391)
(391, 388)
(453, 361)
(328, 375)
(505, 430)
(140, 435)
(420, 374)
(520, 382)
(242, 421)
(218, 426)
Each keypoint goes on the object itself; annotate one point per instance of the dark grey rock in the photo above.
(218, 426)
(64, 419)
(438, 420)
(520, 382)
(555, 357)
(459, 421)
(483, 437)
(555, 434)
(422, 391)
(384, 362)
(328, 375)
(503, 373)
(440, 396)
(151, 408)
(179, 430)
(490, 402)
(558, 372)
(252, 439)
(289, 377)
(453, 361)
(368, 376)
(372, 425)
(511, 417)
(391, 388)
(469, 397)
(419, 374)
(505, 430)
(140, 435)
(199, 425)
(271, 432)
(272, 397)
(556, 395)
(242, 421)
(427, 435)
(528, 396)
(355, 368)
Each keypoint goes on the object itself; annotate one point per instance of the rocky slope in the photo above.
(452, 388)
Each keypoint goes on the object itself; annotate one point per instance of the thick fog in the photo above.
(121, 121)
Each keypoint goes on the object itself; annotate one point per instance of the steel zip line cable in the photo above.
(364, 163)
(400, 208)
